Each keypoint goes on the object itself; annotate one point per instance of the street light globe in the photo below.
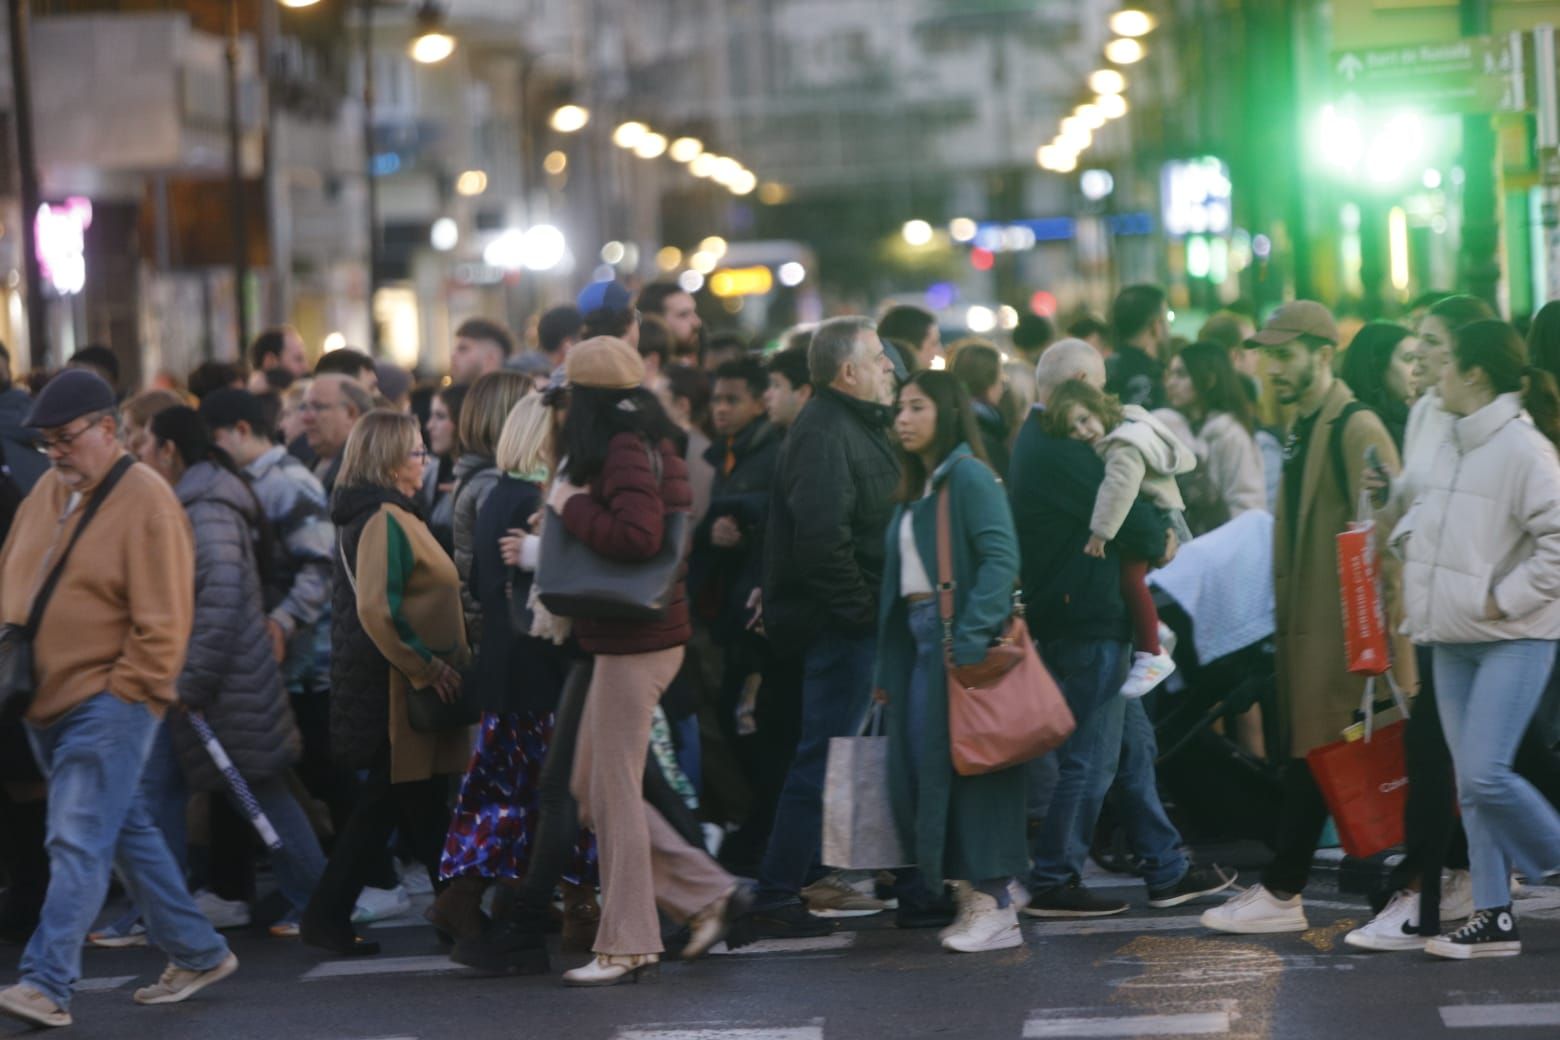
(792, 274)
(1090, 116)
(1124, 51)
(916, 232)
(703, 165)
(714, 245)
(471, 183)
(668, 258)
(295, 4)
(1075, 139)
(703, 261)
(962, 229)
(686, 149)
(1066, 162)
(1113, 106)
(725, 169)
(1131, 22)
(444, 235)
(568, 119)
(650, 146)
(1107, 81)
(629, 134)
(430, 48)
(743, 183)
(980, 319)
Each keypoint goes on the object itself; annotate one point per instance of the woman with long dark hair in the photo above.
(1482, 591)
(1203, 388)
(438, 499)
(1379, 368)
(230, 675)
(965, 828)
(621, 479)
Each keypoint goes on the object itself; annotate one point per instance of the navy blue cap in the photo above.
(70, 395)
(604, 296)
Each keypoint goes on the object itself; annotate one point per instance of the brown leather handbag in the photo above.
(1006, 709)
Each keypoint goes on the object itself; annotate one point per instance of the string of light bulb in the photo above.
(1108, 84)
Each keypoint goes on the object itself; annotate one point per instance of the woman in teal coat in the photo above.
(968, 829)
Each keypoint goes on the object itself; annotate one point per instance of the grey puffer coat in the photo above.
(229, 674)
(475, 478)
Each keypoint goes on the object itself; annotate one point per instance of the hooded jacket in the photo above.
(1142, 457)
(1486, 523)
(229, 675)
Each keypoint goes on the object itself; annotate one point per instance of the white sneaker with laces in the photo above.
(222, 913)
(1457, 896)
(1395, 928)
(987, 927)
(961, 899)
(1256, 911)
(381, 904)
(1148, 671)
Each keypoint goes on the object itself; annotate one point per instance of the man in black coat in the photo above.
(823, 570)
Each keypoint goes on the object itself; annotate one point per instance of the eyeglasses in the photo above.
(420, 454)
(64, 442)
(316, 406)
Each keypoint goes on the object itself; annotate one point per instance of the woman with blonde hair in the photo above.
(518, 679)
(482, 417)
(396, 630)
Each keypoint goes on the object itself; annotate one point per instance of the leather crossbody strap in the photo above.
(41, 600)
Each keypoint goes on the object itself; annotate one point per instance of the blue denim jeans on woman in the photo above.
(1487, 693)
(93, 758)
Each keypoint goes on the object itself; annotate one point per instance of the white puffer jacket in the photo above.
(1486, 520)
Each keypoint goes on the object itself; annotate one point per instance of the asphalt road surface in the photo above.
(1145, 974)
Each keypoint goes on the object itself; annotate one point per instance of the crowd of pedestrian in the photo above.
(565, 639)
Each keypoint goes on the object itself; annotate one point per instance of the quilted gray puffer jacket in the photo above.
(229, 673)
(475, 478)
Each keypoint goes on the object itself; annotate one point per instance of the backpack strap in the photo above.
(1338, 429)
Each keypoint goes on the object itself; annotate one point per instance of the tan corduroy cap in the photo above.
(1293, 320)
(604, 363)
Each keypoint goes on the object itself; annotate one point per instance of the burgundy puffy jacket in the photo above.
(624, 518)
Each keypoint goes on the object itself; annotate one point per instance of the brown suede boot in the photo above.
(581, 917)
(457, 913)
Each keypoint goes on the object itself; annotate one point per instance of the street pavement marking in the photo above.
(719, 1031)
(1044, 1025)
(835, 941)
(358, 966)
(1048, 926)
(1485, 1016)
(103, 984)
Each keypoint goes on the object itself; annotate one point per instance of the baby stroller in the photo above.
(1215, 789)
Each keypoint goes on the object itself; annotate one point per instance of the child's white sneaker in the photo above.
(1148, 671)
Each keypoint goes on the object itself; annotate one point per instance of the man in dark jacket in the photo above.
(1140, 328)
(22, 457)
(823, 569)
(1078, 617)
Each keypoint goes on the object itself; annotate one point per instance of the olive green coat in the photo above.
(967, 828)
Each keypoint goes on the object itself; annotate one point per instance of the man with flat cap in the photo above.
(106, 653)
(1324, 464)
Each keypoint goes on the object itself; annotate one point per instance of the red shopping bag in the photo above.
(1365, 643)
(1365, 782)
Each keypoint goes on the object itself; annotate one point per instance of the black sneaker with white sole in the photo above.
(1488, 933)
(1071, 900)
(1198, 881)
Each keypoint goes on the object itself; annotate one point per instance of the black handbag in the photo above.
(426, 711)
(18, 682)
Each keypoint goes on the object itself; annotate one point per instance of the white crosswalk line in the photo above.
(820, 944)
(1487, 1016)
(722, 1031)
(1044, 927)
(361, 966)
(1054, 1025)
(103, 984)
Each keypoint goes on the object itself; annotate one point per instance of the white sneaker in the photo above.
(1456, 895)
(1257, 911)
(1395, 928)
(414, 878)
(961, 899)
(222, 913)
(1148, 671)
(987, 927)
(1168, 639)
(381, 904)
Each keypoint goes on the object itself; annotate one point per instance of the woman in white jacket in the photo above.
(1481, 585)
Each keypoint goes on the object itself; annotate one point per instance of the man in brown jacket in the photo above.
(106, 653)
(1319, 496)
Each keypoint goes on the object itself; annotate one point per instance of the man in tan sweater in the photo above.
(106, 654)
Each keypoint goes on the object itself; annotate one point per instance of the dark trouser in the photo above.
(231, 857)
(329, 782)
(24, 863)
(836, 689)
(557, 813)
(765, 754)
(418, 809)
(1302, 814)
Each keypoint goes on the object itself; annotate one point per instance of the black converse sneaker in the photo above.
(1488, 933)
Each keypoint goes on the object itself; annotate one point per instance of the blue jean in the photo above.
(93, 758)
(298, 864)
(1154, 838)
(1090, 673)
(836, 687)
(1487, 693)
